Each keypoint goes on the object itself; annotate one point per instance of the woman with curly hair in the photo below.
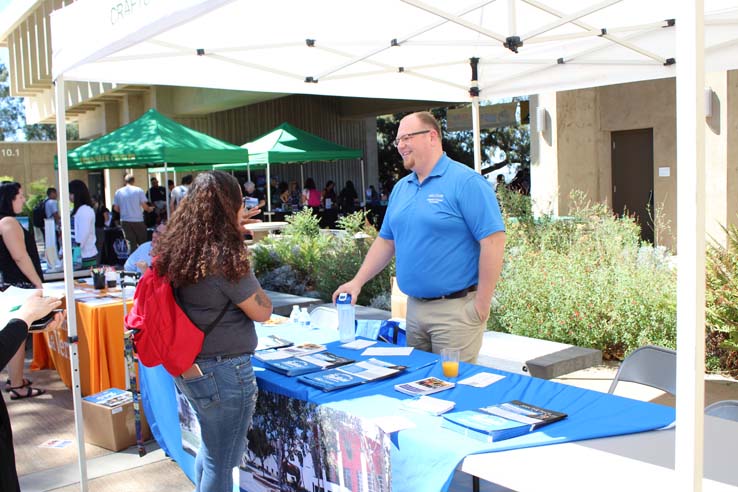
(204, 256)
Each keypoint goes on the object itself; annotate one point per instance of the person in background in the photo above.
(444, 225)
(140, 260)
(102, 220)
(51, 210)
(275, 192)
(204, 256)
(130, 202)
(83, 227)
(178, 193)
(20, 266)
(328, 200)
(253, 198)
(12, 337)
(311, 196)
(291, 197)
(372, 197)
(348, 198)
(158, 198)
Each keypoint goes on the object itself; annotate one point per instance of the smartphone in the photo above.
(192, 373)
(40, 324)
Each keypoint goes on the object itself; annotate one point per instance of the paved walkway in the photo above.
(50, 416)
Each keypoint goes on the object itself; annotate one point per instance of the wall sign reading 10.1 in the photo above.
(10, 152)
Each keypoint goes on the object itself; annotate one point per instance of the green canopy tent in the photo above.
(288, 144)
(154, 140)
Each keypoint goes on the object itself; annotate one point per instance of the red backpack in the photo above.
(163, 334)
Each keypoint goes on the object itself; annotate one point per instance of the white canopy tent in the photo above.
(431, 50)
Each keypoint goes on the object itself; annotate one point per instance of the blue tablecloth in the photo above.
(425, 457)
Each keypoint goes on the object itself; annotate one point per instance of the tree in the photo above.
(13, 119)
(512, 142)
(11, 109)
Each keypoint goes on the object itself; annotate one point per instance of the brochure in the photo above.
(352, 374)
(112, 397)
(425, 386)
(504, 421)
(429, 404)
(272, 342)
(304, 364)
(287, 352)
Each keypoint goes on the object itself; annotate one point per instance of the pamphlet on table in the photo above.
(429, 404)
(287, 352)
(272, 342)
(304, 364)
(352, 374)
(504, 421)
(425, 386)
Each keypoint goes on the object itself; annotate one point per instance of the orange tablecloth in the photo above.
(100, 349)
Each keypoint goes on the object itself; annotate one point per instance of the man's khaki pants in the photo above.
(446, 323)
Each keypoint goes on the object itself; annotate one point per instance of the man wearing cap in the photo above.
(444, 225)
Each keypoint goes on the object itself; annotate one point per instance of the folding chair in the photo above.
(324, 317)
(725, 409)
(651, 366)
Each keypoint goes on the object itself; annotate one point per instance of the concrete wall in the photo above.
(27, 162)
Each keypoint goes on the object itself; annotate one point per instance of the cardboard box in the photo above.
(109, 420)
(399, 301)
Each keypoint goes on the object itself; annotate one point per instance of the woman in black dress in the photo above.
(20, 266)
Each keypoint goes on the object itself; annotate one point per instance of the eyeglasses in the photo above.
(408, 136)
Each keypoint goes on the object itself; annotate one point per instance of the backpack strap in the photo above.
(212, 324)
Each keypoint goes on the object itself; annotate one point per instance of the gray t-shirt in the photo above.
(203, 302)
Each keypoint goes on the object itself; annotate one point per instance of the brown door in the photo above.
(632, 177)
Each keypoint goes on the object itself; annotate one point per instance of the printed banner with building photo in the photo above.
(297, 445)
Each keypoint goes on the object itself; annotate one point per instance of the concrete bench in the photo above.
(533, 357)
(282, 303)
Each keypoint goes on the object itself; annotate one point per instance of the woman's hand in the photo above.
(36, 307)
(246, 216)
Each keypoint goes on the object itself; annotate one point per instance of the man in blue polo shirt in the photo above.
(444, 225)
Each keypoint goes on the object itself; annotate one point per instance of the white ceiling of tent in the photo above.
(262, 46)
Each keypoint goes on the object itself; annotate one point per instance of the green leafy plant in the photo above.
(721, 296)
(583, 281)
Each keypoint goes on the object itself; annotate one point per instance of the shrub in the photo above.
(721, 296)
(586, 281)
(300, 247)
(344, 259)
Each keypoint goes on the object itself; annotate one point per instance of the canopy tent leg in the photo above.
(269, 193)
(690, 83)
(166, 188)
(302, 177)
(474, 93)
(363, 183)
(248, 171)
(61, 142)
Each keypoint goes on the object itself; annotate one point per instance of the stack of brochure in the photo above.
(504, 421)
(304, 364)
(352, 374)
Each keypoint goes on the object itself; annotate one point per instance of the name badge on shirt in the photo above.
(435, 198)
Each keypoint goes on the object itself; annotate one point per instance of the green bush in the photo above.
(346, 256)
(721, 296)
(300, 247)
(302, 260)
(586, 281)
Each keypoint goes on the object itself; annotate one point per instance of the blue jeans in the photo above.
(224, 398)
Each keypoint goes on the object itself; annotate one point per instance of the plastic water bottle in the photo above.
(295, 315)
(304, 319)
(346, 318)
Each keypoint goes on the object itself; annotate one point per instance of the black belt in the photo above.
(220, 357)
(453, 295)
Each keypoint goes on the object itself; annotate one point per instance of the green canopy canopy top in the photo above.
(154, 140)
